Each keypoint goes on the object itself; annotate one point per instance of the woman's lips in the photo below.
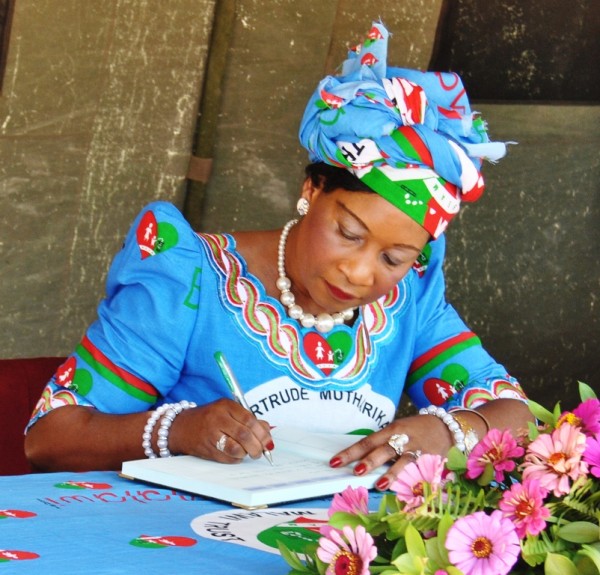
(339, 294)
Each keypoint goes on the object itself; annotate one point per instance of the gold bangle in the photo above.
(471, 436)
(483, 417)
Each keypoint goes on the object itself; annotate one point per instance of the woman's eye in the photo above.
(347, 234)
(391, 261)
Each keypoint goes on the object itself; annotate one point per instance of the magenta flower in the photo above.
(497, 448)
(350, 501)
(480, 544)
(347, 553)
(592, 455)
(409, 483)
(556, 458)
(588, 415)
(523, 504)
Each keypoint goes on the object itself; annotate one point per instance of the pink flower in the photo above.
(498, 449)
(592, 455)
(409, 483)
(588, 415)
(556, 458)
(347, 553)
(350, 501)
(480, 544)
(523, 504)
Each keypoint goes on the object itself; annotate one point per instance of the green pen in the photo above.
(234, 388)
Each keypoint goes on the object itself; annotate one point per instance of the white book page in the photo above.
(300, 470)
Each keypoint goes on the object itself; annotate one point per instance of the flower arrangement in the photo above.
(524, 505)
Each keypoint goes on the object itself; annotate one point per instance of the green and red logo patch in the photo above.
(16, 555)
(154, 237)
(327, 353)
(16, 514)
(162, 541)
(83, 485)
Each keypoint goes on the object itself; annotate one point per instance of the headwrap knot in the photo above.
(409, 135)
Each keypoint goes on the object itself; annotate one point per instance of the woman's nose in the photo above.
(358, 271)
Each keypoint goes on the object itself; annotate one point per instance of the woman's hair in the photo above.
(332, 178)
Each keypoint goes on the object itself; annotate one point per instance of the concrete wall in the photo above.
(96, 118)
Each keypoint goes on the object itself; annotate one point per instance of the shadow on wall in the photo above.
(523, 265)
(522, 51)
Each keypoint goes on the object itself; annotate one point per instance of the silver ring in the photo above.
(415, 454)
(221, 443)
(397, 443)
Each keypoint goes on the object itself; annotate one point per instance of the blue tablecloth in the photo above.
(101, 523)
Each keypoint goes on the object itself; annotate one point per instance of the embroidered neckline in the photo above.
(264, 319)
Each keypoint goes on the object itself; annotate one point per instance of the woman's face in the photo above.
(350, 249)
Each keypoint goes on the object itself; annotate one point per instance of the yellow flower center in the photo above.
(556, 458)
(346, 563)
(524, 509)
(417, 489)
(482, 547)
(569, 418)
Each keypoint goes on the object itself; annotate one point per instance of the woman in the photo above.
(325, 322)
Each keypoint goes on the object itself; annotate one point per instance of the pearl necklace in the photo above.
(324, 322)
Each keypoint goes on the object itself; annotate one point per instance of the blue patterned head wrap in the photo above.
(409, 135)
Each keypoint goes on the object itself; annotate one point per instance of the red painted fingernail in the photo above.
(360, 469)
(382, 483)
(270, 445)
(335, 462)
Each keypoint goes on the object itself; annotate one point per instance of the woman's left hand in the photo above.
(419, 434)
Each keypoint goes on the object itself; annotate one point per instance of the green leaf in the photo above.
(585, 391)
(541, 413)
(580, 532)
(457, 460)
(405, 565)
(414, 542)
(533, 430)
(340, 519)
(592, 552)
(291, 558)
(534, 551)
(556, 564)
(585, 566)
(557, 411)
(487, 476)
(434, 551)
(445, 523)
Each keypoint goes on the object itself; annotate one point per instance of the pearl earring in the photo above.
(302, 206)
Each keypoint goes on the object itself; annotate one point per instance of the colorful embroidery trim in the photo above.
(283, 339)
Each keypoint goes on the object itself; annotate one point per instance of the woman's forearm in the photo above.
(80, 438)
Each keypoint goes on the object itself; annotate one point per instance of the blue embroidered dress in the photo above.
(175, 297)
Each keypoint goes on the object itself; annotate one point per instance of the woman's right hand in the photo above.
(222, 431)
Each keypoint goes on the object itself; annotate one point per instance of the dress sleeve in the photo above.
(135, 350)
(450, 368)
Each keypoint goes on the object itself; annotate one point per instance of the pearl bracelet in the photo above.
(171, 413)
(453, 426)
(154, 417)
(149, 427)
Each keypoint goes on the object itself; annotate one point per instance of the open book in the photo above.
(300, 470)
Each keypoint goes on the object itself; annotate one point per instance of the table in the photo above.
(101, 523)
